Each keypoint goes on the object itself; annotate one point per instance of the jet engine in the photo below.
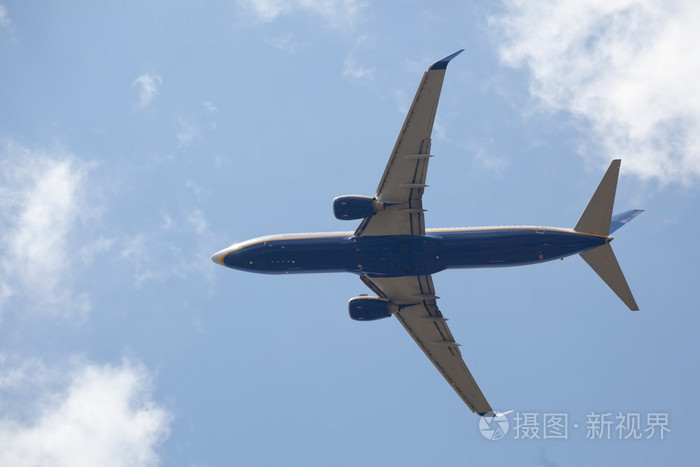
(365, 308)
(351, 207)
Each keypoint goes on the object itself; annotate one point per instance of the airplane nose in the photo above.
(219, 256)
(231, 257)
(240, 256)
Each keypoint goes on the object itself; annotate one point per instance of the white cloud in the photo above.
(286, 43)
(188, 132)
(211, 108)
(222, 161)
(177, 246)
(628, 68)
(213, 111)
(16, 375)
(198, 222)
(488, 161)
(199, 192)
(98, 415)
(41, 199)
(167, 222)
(351, 66)
(336, 12)
(87, 252)
(148, 84)
(4, 18)
(137, 251)
(352, 69)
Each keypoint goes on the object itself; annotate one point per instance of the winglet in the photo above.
(493, 414)
(442, 64)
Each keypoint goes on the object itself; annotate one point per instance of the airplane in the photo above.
(395, 256)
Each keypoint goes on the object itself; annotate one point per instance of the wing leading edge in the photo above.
(421, 317)
(403, 182)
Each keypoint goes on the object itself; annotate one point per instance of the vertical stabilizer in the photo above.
(596, 218)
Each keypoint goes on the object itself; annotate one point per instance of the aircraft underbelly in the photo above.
(403, 255)
(309, 256)
(511, 247)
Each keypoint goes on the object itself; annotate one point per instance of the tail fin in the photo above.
(596, 219)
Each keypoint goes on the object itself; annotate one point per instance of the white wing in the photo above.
(401, 187)
(401, 190)
(419, 314)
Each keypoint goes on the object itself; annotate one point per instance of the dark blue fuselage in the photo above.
(392, 256)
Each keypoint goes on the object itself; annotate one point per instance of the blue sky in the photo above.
(138, 139)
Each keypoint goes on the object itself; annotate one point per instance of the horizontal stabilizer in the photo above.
(618, 220)
(604, 263)
(596, 218)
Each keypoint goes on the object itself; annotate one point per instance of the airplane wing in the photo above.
(401, 187)
(401, 191)
(419, 314)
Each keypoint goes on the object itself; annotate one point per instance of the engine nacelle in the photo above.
(351, 207)
(369, 308)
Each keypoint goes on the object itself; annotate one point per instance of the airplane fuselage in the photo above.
(405, 255)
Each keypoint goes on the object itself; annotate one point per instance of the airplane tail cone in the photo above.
(596, 220)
